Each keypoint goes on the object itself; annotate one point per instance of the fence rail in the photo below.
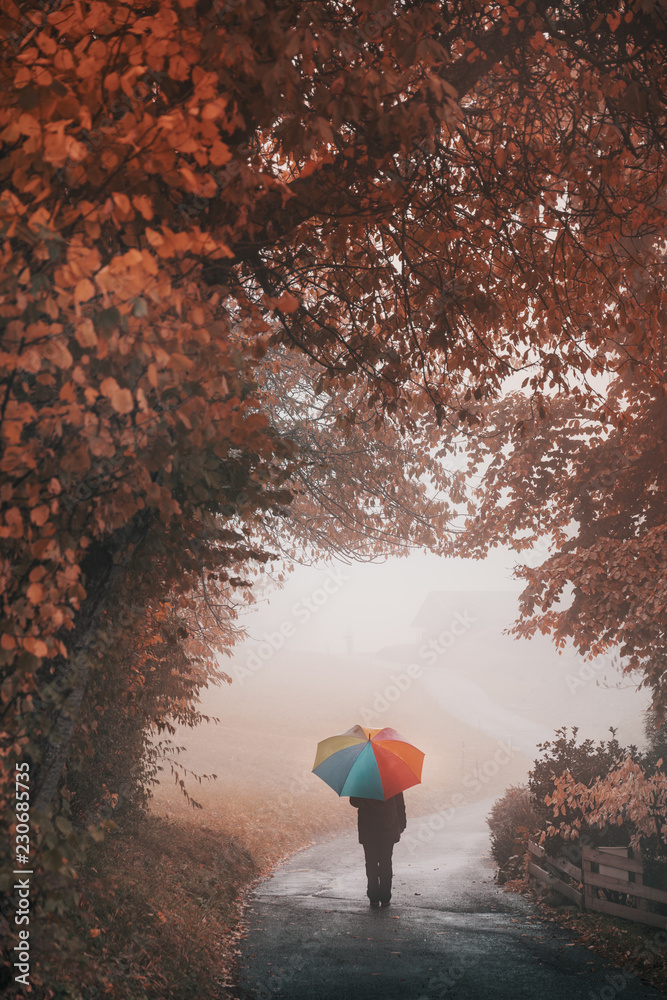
(629, 882)
(560, 864)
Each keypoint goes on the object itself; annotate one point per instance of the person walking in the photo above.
(380, 826)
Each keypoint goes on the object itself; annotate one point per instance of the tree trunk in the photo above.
(101, 570)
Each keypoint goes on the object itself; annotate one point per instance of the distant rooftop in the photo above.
(441, 606)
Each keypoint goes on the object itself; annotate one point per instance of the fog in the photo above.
(416, 644)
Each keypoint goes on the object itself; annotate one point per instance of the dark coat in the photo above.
(378, 820)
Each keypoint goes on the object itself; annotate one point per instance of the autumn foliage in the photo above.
(275, 276)
(626, 795)
(605, 794)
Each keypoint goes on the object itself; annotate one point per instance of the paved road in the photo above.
(450, 931)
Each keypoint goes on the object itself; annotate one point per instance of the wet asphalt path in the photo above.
(450, 931)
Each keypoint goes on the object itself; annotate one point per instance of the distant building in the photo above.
(484, 610)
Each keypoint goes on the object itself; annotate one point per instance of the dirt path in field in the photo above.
(450, 931)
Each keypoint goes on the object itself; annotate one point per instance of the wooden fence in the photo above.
(602, 868)
(561, 865)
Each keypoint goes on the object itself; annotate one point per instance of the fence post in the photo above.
(641, 904)
(588, 888)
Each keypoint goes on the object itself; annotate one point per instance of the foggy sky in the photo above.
(374, 602)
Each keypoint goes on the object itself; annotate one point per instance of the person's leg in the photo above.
(385, 871)
(372, 872)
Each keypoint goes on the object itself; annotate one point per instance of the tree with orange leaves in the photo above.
(419, 202)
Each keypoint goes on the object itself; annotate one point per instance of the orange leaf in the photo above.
(84, 290)
(178, 68)
(22, 78)
(219, 154)
(144, 205)
(63, 59)
(39, 514)
(154, 238)
(121, 399)
(86, 67)
(212, 110)
(85, 333)
(35, 646)
(122, 202)
(309, 168)
(46, 43)
(35, 593)
(287, 303)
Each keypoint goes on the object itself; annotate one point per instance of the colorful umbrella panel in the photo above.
(369, 763)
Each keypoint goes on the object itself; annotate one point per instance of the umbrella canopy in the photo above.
(370, 763)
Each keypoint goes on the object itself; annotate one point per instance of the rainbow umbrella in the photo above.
(370, 763)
